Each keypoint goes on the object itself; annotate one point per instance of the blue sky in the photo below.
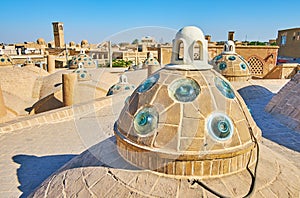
(95, 20)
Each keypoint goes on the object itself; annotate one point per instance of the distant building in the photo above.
(135, 53)
(289, 43)
(9, 49)
(148, 40)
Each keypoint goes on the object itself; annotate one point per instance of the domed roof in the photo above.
(72, 44)
(84, 43)
(82, 73)
(231, 65)
(5, 60)
(29, 62)
(121, 86)
(178, 117)
(87, 61)
(41, 41)
(151, 61)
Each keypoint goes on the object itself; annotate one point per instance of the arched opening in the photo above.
(225, 48)
(230, 48)
(180, 50)
(198, 51)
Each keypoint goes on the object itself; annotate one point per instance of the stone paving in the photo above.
(102, 172)
(30, 155)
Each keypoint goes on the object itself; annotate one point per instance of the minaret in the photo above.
(58, 30)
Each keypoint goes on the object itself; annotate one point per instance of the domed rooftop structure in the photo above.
(85, 60)
(151, 64)
(82, 73)
(186, 119)
(231, 65)
(28, 62)
(6, 60)
(41, 41)
(72, 44)
(84, 43)
(151, 61)
(121, 86)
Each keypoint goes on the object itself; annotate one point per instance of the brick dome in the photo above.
(187, 118)
(84, 59)
(231, 65)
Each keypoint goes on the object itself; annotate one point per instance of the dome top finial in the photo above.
(190, 50)
(151, 55)
(229, 47)
(123, 79)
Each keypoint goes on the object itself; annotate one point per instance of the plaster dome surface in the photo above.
(231, 65)
(190, 32)
(6, 60)
(41, 41)
(151, 60)
(84, 43)
(121, 86)
(72, 44)
(84, 59)
(28, 62)
(179, 117)
(82, 74)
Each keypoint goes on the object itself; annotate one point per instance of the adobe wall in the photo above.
(57, 115)
(261, 58)
(283, 71)
(292, 46)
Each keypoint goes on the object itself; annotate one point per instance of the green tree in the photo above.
(121, 63)
(135, 41)
(257, 43)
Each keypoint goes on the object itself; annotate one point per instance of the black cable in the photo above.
(206, 187)
(253, 175)
(253, 178)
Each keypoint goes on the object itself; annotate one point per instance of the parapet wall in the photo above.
(283, 71)
(55, 116)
